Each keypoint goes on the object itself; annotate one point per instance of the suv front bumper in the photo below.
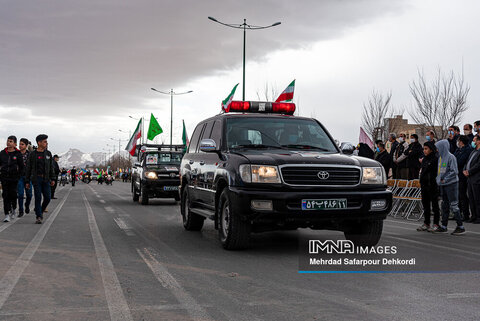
(287, 206)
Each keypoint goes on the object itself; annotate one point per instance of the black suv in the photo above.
(260, 170)
(156, 172)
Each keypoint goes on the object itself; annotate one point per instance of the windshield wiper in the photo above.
(301, 146)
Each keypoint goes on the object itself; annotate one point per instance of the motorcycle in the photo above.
(109, 180)
(63, 179)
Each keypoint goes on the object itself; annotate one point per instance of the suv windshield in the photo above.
(154, 159)
(285, 133)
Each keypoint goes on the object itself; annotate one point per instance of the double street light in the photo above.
(245, 27)
(171, 93)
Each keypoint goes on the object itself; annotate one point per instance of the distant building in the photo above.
(399, 125)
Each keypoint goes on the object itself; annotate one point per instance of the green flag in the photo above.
(154, 129)
(186, 142)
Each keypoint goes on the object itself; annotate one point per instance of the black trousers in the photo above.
(429, 201)
(413, 173)
(474, 200)
(9, 195)
(54, 187)
(463, 199)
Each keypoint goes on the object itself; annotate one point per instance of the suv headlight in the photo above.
(151, 175)
(374, 175)
(259, 174)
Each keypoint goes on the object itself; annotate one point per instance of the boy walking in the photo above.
(21, 187)
(41, 173)
(447, 180)
(11, 166)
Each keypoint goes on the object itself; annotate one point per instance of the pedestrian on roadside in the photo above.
(472, 172)
(462, 154)
(429, 188)
(452, 138)
(11, 167)
(468, 131)
(383, 157)
(392, 138)
(476, 127)
(414, 153)
(400, 158)
(40, 172)
(447, 180)
(73, 174)
(21, 187)
(430, 136)
(56, 172)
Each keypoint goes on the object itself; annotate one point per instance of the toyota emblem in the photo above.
(323, 175)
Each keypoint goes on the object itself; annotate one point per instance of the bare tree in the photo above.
(439, 104)
(375, 112)
(270, 93)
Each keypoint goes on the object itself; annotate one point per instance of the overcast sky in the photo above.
(77, 69)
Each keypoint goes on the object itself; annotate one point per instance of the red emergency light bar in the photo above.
(260, 107)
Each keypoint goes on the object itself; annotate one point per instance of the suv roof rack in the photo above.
(161, 147)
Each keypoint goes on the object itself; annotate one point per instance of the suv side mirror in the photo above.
(347, 148)
(208, 145)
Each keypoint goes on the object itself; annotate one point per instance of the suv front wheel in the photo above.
(234, 233)
(365, 233)
(191, 221)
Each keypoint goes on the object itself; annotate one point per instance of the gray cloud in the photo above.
(77, 57)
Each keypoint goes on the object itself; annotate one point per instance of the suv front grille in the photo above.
(320, 176)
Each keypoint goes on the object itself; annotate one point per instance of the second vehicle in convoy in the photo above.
(257, 168)
(156, 172)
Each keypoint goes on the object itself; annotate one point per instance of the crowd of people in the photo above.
(448, 168)
(23, 169)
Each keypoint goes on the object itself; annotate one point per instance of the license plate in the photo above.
(170, 188)
(324, 204)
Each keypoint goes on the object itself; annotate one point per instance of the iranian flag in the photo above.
(226, 102)
(132, 143)
(287, 95)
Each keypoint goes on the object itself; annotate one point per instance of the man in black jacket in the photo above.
(472, 172)
(40, 172)
(400, 158)
(429, 188)
(393, 140)
(414, 152)
(468, 131)
(462, 154)
(11, 167)
(21, 188)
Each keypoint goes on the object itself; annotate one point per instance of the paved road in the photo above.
(99, 256)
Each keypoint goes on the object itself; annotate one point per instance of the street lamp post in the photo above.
(143, 127)
(244, 26)
(171, 93)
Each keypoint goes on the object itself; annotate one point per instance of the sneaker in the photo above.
(423, 227)
(459, 231)
(7, 218)
(20, 214)
(38, 221)
(45, 211)
(441, 229)
(27, 209)
(434, 228)
(13, 214)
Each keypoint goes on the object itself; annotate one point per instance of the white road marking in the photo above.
(102, 201)
(124, 226)
(6, 225)
(117, 304)
(461, 295)
(109, 209)
(10, 279)
(169, 282)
